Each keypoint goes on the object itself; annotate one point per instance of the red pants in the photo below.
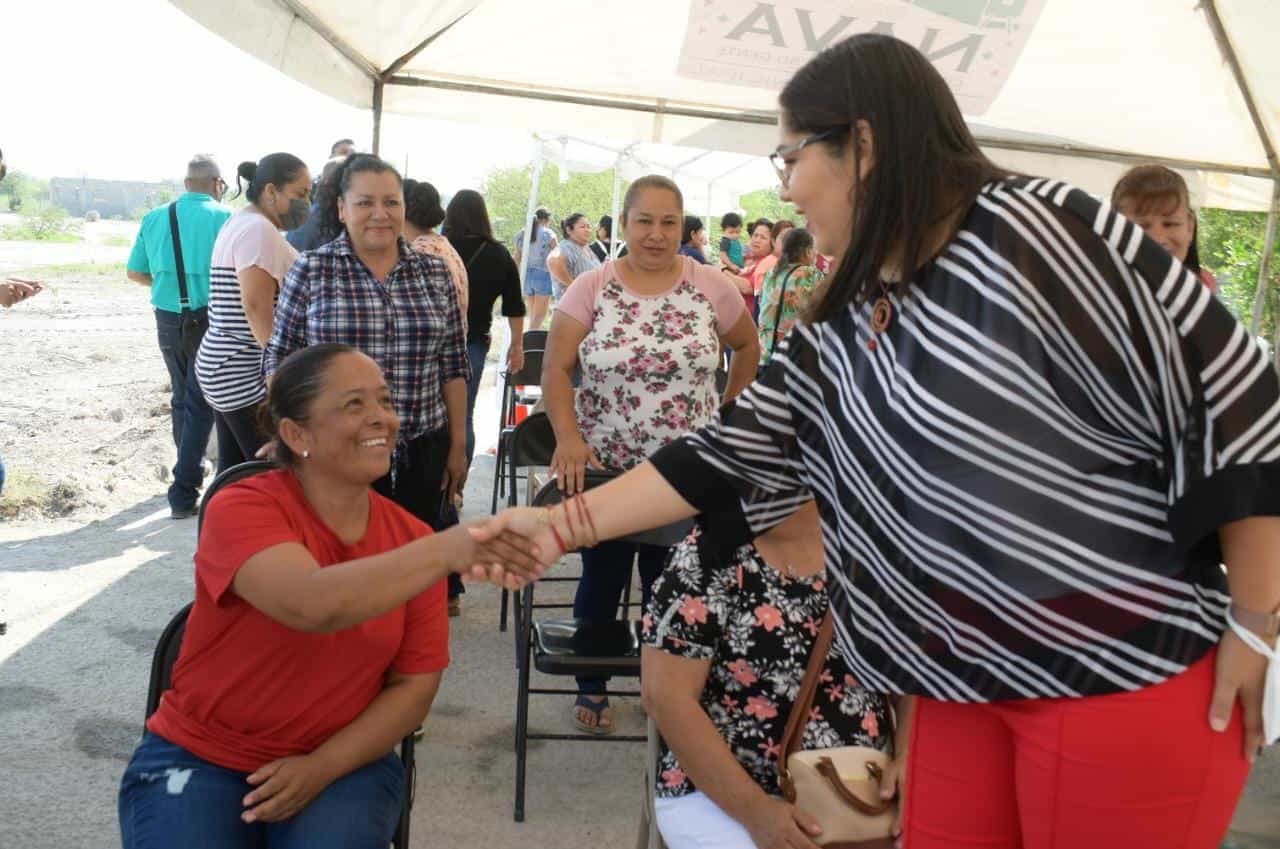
(1128, 771)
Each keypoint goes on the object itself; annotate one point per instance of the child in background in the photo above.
(730, 246)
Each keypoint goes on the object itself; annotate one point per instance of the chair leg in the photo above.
(401, 838)
(522, 714)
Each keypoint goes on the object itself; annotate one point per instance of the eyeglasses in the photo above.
(778, 157)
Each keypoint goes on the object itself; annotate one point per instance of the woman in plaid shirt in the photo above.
(368, 289)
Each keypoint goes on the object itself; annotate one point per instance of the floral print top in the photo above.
(757, 628)
(648, 361)
(438, 245)
(801, 280)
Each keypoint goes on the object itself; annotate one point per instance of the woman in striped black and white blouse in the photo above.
(1033, 437)
(250, 258)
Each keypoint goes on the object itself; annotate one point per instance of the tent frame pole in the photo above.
(377, 115)
(536, 183)
(613, 219)
(1210, 8)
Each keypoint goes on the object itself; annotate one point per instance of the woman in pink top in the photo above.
(1156, 198)
(760, 245)
(646, 331)
(422, 215)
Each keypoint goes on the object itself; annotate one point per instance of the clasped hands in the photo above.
(518, 545)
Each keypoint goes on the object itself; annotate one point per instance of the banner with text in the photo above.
(973, 43)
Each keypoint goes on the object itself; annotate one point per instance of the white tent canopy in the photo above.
(1066, 88)
(1142, 78)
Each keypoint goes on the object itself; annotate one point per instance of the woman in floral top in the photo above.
(786, 290)
(646, 332)
(727, 637)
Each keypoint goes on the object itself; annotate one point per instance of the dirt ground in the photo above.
(91, 567)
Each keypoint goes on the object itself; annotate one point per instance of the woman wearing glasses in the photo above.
(1033, 437)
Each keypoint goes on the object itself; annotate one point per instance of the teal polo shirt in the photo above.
(200, 218)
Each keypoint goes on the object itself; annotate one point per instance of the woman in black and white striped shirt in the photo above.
(250, 258)
(1033, 437)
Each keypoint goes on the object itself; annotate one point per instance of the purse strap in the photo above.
(777, 318)
(793, 737)
(475, 256)
(184, 301)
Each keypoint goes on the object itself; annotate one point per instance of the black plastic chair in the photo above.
(535, 340)
(530, 375)
(571, 647)
(169, 646)
(532, 443)
(237, 472)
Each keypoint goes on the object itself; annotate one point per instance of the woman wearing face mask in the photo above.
(1157, 200)
(574, 256)
(250, 258)
(367, 288)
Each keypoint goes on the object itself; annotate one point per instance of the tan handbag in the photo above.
(838, 787)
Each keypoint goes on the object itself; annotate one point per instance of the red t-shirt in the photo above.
(248, 690)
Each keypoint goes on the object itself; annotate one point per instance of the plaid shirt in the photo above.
(411, 325)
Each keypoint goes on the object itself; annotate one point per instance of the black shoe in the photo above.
(182, 512)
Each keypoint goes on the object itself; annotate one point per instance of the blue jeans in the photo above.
(537, 281)
(171, 798)
(476, 352)
(605, 570)
(190, 416)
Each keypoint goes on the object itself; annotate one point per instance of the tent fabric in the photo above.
(1132, 77)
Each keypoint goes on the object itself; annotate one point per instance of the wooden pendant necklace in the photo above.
(881, 315)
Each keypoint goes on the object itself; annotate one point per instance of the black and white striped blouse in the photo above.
(229, 364)
(1020, 485)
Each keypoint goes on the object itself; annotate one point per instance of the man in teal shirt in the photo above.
(180, 325)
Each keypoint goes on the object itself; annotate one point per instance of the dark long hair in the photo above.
(467, 216)
(796, 242)
(274, 169)
(927, 163)
(338, 183)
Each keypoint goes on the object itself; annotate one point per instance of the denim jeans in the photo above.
(476, 352)
(191, 418)
(171, 798)
(605, 570)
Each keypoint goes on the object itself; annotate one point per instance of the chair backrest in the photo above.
(535, 340)
(166, 655)
(665, 536)
(531, 374)
(533, 442)
(237, 472)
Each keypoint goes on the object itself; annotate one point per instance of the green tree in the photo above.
(1231, 246)
(506, 193)
(21, 188)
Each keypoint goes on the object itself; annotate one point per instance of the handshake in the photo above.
(518, 545)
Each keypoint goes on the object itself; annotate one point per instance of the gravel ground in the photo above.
(91, 568)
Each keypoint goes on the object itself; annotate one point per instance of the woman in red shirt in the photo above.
(317, 639)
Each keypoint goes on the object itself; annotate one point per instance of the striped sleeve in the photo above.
(743, 470)
(1214, 393)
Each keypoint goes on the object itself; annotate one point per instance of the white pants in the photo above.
(696, 822)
